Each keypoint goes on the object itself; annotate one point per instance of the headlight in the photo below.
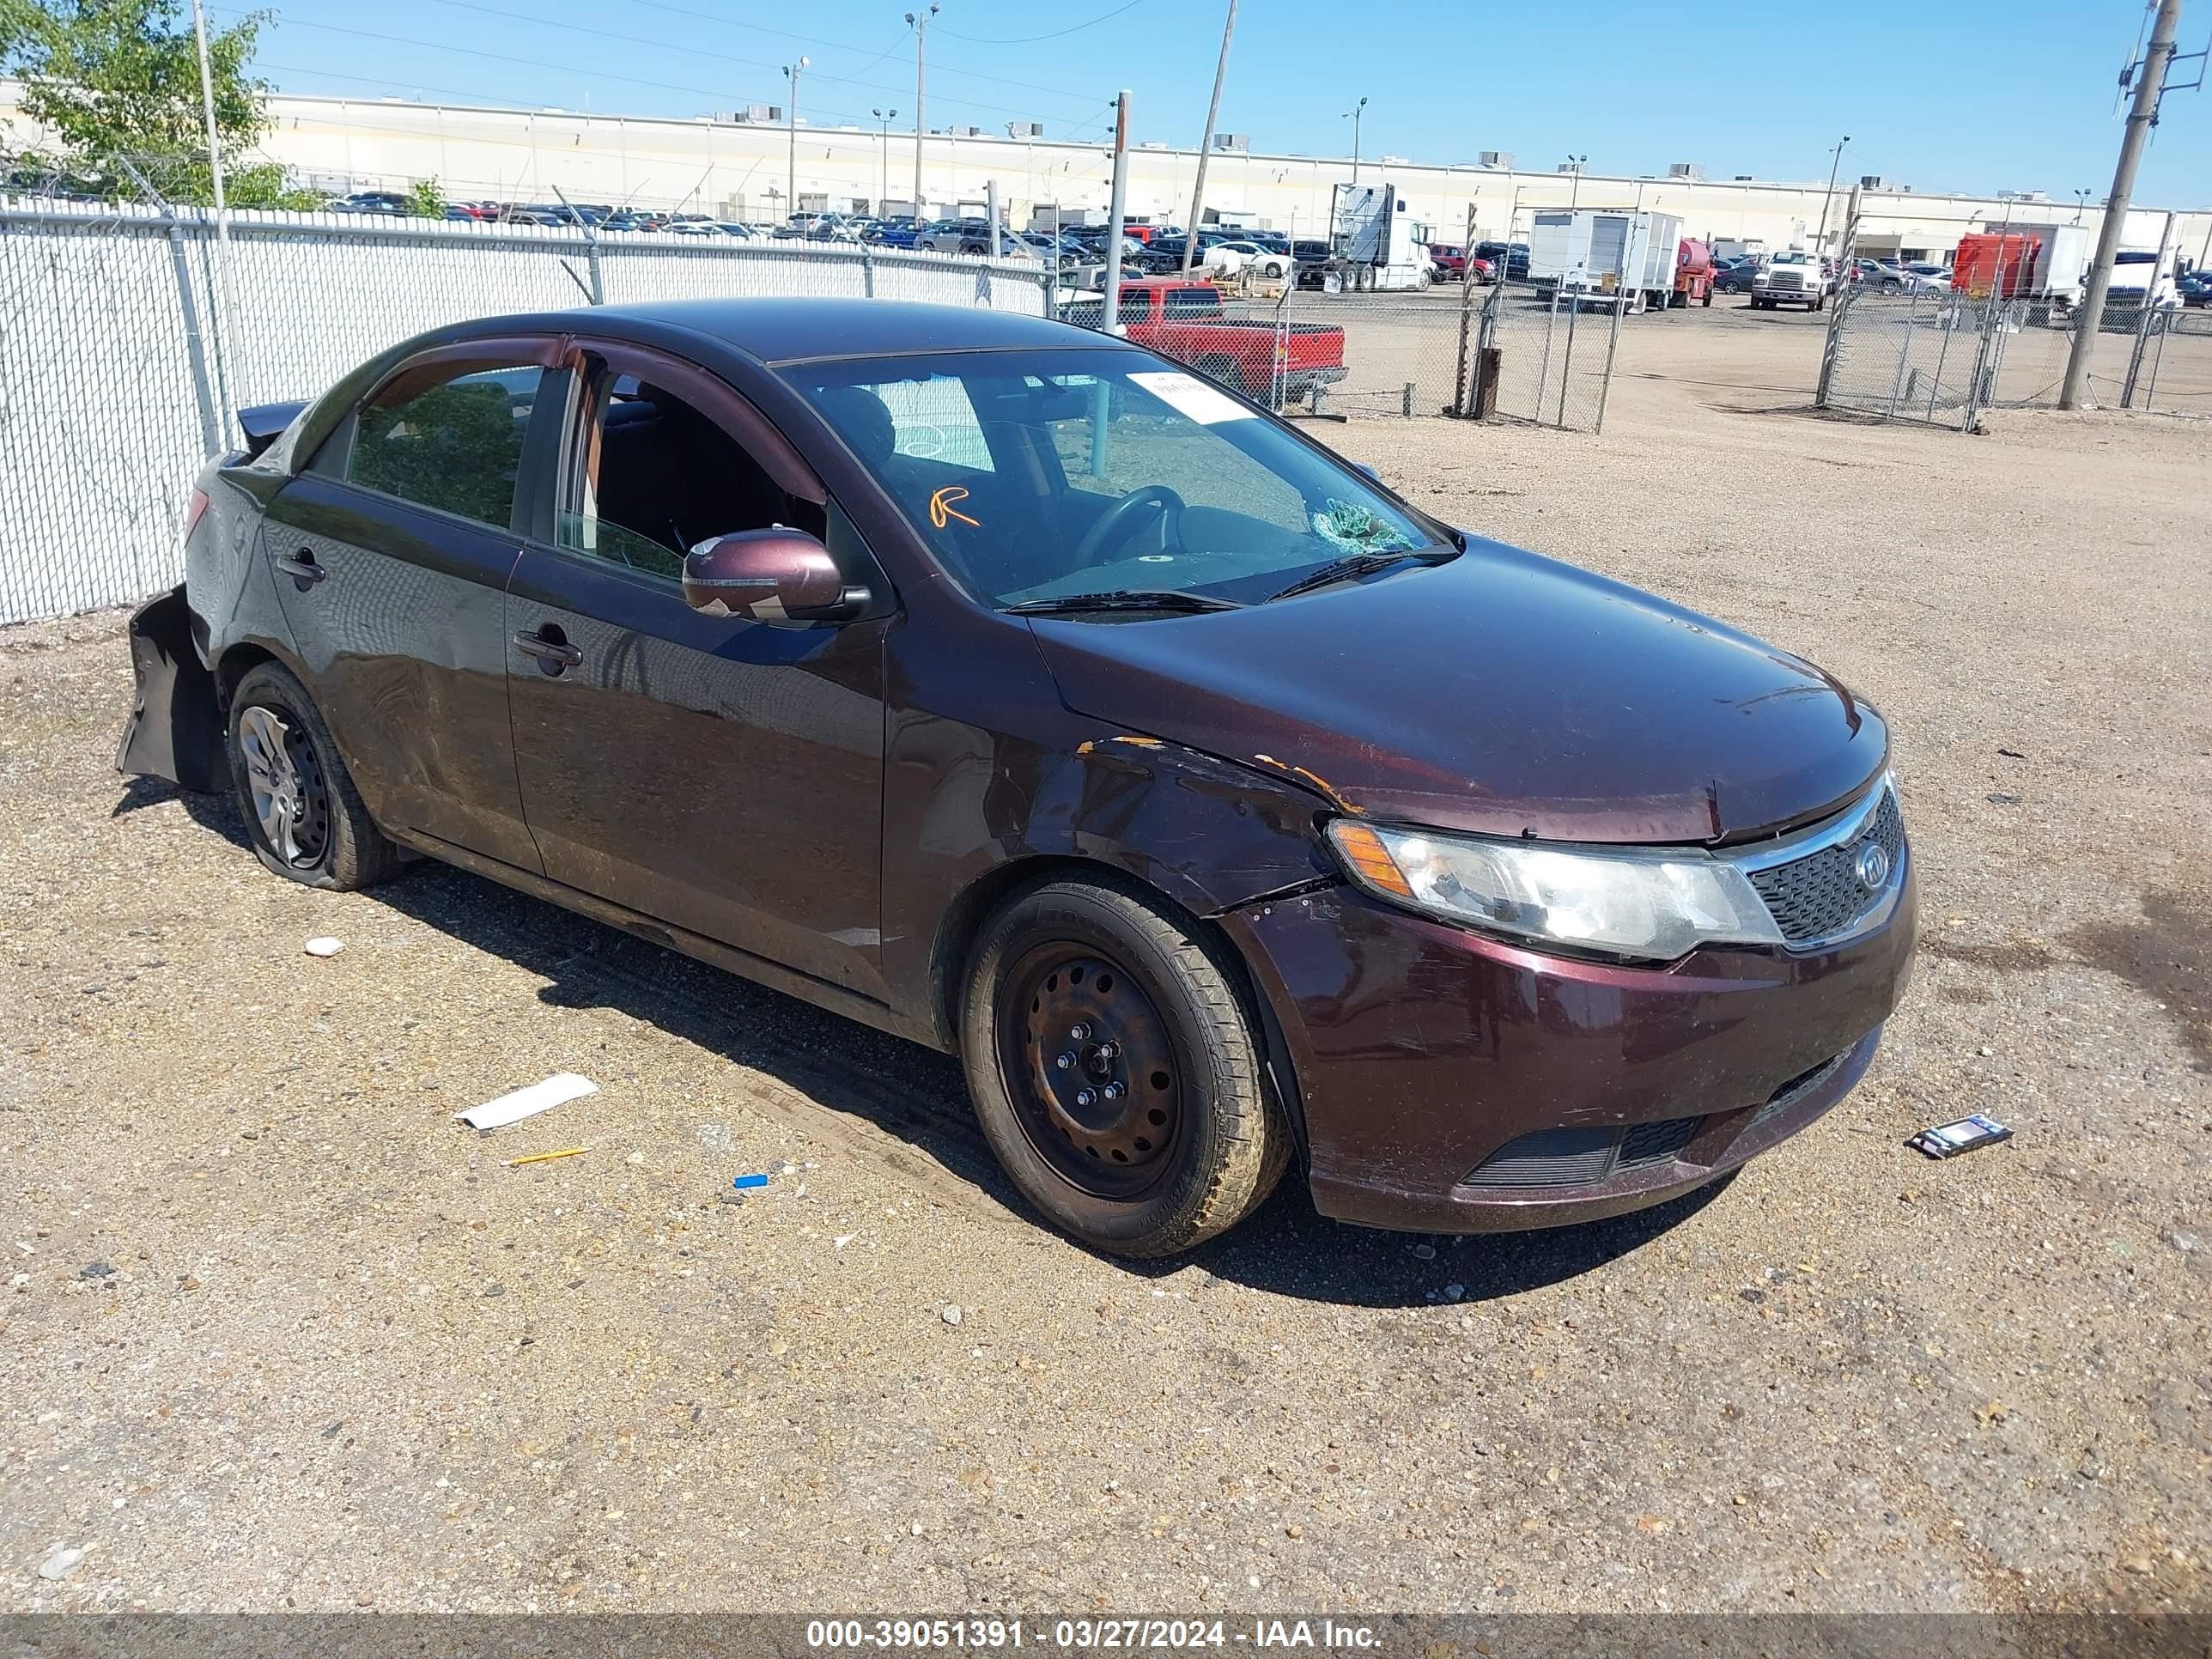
(1651, 906)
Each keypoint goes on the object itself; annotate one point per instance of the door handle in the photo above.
(301, 567)
(553, 654)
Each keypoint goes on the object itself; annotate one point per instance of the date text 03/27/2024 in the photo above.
(1087, 1635)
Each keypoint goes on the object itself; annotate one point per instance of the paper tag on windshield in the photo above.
(1186, 394)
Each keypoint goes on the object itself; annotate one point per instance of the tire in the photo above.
(1226, 371)
(1196, 1145)
(275, 735)
(1708, 300)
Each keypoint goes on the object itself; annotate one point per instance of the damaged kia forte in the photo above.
(1009, 688)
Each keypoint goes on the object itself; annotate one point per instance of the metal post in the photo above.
(1844, 296)
(2141, 118)
(1612, 345)
(1356, 111)
(223, 312)
(598, 288)
(1206, 144)
(1465, 314)
(1820, 245)
(2149, 309)
(1567, 360)
(1904, 355)
(991, 212)
(1544, 366)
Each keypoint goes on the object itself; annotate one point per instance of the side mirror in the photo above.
(775, 576)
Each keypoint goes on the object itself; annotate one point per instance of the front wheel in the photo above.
(303, 814)
(1115, 1071)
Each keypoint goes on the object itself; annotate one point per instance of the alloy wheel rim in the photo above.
(284, 784)
(1092, 1070)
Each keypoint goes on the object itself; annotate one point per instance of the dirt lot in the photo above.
(280, 1335)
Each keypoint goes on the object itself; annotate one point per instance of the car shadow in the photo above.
(919, 1097)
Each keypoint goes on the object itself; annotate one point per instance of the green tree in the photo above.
(425, 200)
(114, 79)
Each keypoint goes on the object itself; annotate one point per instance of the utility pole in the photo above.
(791, 121)
(1117, 202)
(1205, 145)
(227, 341)
(1353, 115)
(1820, 242)
(1574, 190)
(2141, 120)
(885, 116)
(919, 21)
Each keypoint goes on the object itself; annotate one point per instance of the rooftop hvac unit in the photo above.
(1502, 160)
(753, 114)
(1232, 141)
(1568, 166)
(964, 132)
(1743, 179)
(1871, 181)
(1025, 129)
(1686, 170)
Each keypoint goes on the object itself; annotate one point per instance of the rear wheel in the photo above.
(1114, 1070)
(304, 816)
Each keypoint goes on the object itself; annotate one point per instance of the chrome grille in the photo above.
(1820, 895)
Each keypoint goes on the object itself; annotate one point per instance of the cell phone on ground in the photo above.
(1949, 1140)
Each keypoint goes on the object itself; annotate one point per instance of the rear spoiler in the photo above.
(264, 423)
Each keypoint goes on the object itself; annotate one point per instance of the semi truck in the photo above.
(1593, 253)
(1377, 241)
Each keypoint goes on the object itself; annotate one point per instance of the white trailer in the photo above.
(1375, 239)
(1592, 253)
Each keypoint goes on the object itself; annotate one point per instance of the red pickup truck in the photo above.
(1185, 320)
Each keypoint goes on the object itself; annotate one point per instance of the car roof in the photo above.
(777, 330)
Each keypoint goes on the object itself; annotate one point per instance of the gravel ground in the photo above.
(280, 1335)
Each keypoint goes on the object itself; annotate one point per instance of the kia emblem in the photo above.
(1872, 865)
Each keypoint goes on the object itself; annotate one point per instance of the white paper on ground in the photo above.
(1189, 395)
(528, 1103)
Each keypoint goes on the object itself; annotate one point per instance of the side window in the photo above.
(1136, 307)
(449, 437)
(657, 475)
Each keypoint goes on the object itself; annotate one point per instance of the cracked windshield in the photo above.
(1037, 477)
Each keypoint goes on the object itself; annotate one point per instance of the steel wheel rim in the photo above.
(1091, 1069)
(284, 786)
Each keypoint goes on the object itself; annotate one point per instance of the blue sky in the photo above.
(1970, 94)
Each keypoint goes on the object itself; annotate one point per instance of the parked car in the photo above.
(1184, 319)
(1114, 740)
(1735, 276)
(1232, 258)
(1514, 256)
(2195, 288)
(1793, 277)
(1314, 258)
(372, 201)
(958, 236)
(1448, 262)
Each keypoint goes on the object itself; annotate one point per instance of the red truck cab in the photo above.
(1256, 355)
(1693, 274)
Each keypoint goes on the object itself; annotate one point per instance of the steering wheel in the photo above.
(1117, 519)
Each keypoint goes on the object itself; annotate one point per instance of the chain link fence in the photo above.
(1485, 352)
(1942, 356)
(130, 337)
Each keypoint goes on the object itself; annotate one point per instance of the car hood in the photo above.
(1502, 693)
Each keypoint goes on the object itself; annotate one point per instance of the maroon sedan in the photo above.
(1009, 688)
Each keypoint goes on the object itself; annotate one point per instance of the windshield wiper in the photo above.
(1122, 598)
(1361, 564)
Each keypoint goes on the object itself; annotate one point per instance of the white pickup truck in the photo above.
(1795, 277)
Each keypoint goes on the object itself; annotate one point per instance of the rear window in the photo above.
(1193, 302)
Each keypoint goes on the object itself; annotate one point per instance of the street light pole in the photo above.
(919, 21)
(1353, 115)
(1820, 245)
(791, 121)
(885, 116)
(2082, 204)
(1577, 163)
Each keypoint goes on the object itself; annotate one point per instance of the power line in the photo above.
(1031, 40)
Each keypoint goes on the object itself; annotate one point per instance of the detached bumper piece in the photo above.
(175, 728)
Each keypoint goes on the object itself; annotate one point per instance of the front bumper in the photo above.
(1423, 1055)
